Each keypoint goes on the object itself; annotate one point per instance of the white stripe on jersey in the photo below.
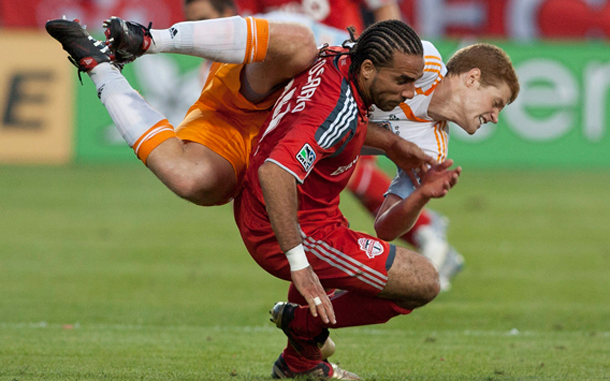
(345, 263)
(342, 121)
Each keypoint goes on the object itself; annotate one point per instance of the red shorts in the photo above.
(340, 257)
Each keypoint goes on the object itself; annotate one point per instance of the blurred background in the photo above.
(102, 268)
(559, 48)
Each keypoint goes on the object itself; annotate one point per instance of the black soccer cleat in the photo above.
(324, 370)
(127, 40)
(85, 51)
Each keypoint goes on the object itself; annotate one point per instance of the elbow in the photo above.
(383, 232)
(264, 170)
(191, 190)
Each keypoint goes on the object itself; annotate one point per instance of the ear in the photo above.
(367, 69)
(473, 77)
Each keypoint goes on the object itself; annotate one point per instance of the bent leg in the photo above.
(192, 171)
(292, 49)
(412, 280)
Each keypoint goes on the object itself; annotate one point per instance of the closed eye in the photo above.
(404, 79)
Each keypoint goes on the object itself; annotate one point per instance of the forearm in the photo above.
(388, 12)
(395, 220)
(379, 138)
(280, 195)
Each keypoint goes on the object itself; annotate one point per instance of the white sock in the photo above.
(131, 114)
(220, 40)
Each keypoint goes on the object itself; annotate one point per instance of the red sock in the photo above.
(351, 309)
(368, 183)
(423, 220)
(294, 296)
(296, 362)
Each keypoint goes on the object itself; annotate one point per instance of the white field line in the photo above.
(271, 328)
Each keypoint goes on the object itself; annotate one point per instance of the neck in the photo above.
(445, 101)
(358, 81)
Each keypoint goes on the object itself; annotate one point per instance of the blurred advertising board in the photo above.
(560, 118)
(433, 19)
(513, 19)
(36, 99)
(35, 13)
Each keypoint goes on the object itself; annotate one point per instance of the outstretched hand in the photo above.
(439, 179)
(308, 284)
(410, 158)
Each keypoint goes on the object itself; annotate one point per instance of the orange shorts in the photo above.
(224, 121)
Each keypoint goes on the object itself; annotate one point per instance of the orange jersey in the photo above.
(223, 120)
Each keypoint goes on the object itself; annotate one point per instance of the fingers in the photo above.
(321, 305)
(308, 284)
(429, 160)
(446, 164)
(413, 177)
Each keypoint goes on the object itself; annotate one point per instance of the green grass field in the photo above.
(106, 275)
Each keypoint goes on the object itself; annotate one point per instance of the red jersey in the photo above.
(336, 13)
(315, 132)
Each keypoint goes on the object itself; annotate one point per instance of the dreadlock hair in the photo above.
(378, 43)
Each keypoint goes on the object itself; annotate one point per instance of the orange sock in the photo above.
(151, 139)
(258, 40)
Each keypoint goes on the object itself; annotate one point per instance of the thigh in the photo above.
(349, 260)
(219, 135)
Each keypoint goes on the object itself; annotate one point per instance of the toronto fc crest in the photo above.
(371, 247)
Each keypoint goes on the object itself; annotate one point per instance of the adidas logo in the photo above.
(86, 61)
(173, 32)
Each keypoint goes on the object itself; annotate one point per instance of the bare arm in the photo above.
(388, 12)
(280, 193)
(408, 156)
(397, 216)
(292, 49)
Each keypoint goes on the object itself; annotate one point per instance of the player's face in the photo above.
(483, 104)
(203, 10)
(390, 86)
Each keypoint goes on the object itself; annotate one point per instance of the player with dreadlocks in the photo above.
(288, 213)
(205, 159)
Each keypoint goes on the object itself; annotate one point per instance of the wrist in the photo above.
(420, 196)
(297, 258)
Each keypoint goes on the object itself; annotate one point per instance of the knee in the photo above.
(202, 191)
(424, 292)
(413, 282)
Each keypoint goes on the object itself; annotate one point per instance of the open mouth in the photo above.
(482, 120)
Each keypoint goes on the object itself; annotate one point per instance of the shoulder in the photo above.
(434, 69)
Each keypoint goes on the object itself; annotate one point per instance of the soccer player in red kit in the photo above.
(369, 182)
(288, 213)
(336, 13)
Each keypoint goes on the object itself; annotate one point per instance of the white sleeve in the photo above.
(434, 69)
